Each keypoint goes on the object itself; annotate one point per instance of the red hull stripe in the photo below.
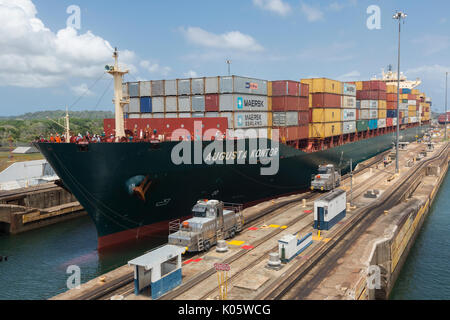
(134, 234)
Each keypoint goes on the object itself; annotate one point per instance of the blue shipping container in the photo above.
(406, 91)
(373, 124)
(146, 105)
(391, 113)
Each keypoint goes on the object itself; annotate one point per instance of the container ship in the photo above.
(231, 138)
(442, 119)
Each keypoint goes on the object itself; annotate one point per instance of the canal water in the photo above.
(426, 272)
(38, 260)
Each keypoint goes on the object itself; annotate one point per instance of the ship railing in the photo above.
(236, 207)
(174, 226)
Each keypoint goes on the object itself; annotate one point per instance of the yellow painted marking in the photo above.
(316, 238)
(326, 240)
(236, 243)
(274, 226)
(283, 227)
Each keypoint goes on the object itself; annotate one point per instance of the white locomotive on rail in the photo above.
(327, 178)
(212, 220)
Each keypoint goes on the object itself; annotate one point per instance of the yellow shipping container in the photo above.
(381, 104)
(391, 88)
(412, 113)
(415, 91)
(269, 88)
(269, 118)
(403, 96)
(359, 85)
(269, 103)
(321, 115)
(411, 108)
(324, 130)
(323, 85)
(382, 113)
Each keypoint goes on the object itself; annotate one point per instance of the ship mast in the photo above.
(118, 95)
(67, 126)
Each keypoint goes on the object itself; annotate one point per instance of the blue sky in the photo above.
(44, 65)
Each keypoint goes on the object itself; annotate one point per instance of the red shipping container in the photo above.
(411, 97)
(377, 85)
(326, 100)
(294, 133)
(362, 95)
(285, 88)
(389, 122)
(304, 90)
(212, 102)
(303, 103)
(285, 103)
(391, 97)
(366, 85)
(166, 126)
(391, 105)
(303, 117)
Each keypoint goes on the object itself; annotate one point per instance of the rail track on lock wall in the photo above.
(300, 280)
(123, 284)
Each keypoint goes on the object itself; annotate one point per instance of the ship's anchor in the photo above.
(142, 189)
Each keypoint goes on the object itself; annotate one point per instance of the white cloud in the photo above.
(155, 67)
(191, 74)
(312, 13)
(231, 40)
(34, 56)
(350, 76)
(277, 6)
(82, 90)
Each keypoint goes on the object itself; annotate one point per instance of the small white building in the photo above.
(158, 271)
(330, 209)
(26, 174)
(290, 246)
(25, 150)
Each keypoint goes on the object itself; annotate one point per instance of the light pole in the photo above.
(399, 16)
(445, 121)
(229, 63)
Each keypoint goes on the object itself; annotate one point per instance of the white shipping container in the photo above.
(382, 123)
(145, 89)
(249, 132)
(170, 88)
(412, 102)
(158, 115)
(125, 89)
(212, 115)
(373, 114)
(184, 104)
(364, 114)
(241, 102)
(134, 116)
(250, 119)
(403, 106)
(133, 89)
(365, 104)
(135, 105)
(212, 85)
(157, 104)
(157, 88)
(349, 89)
(348, 102)
(198, 115)
(413, 120)
(171, 115)
(184, 86)
(146, 116)
(171, 104)
(184, 115)
(348, 114)
(229, 116)
(373, 104)
(291, 118)
(126, 108)
(394, 121)
(198, 103)
(198, 86)
(348, 127)
(235, 84)
(279, 119)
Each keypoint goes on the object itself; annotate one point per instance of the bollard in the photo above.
(304, 203)
(274, 260)
(221, 246)
(117, 297)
